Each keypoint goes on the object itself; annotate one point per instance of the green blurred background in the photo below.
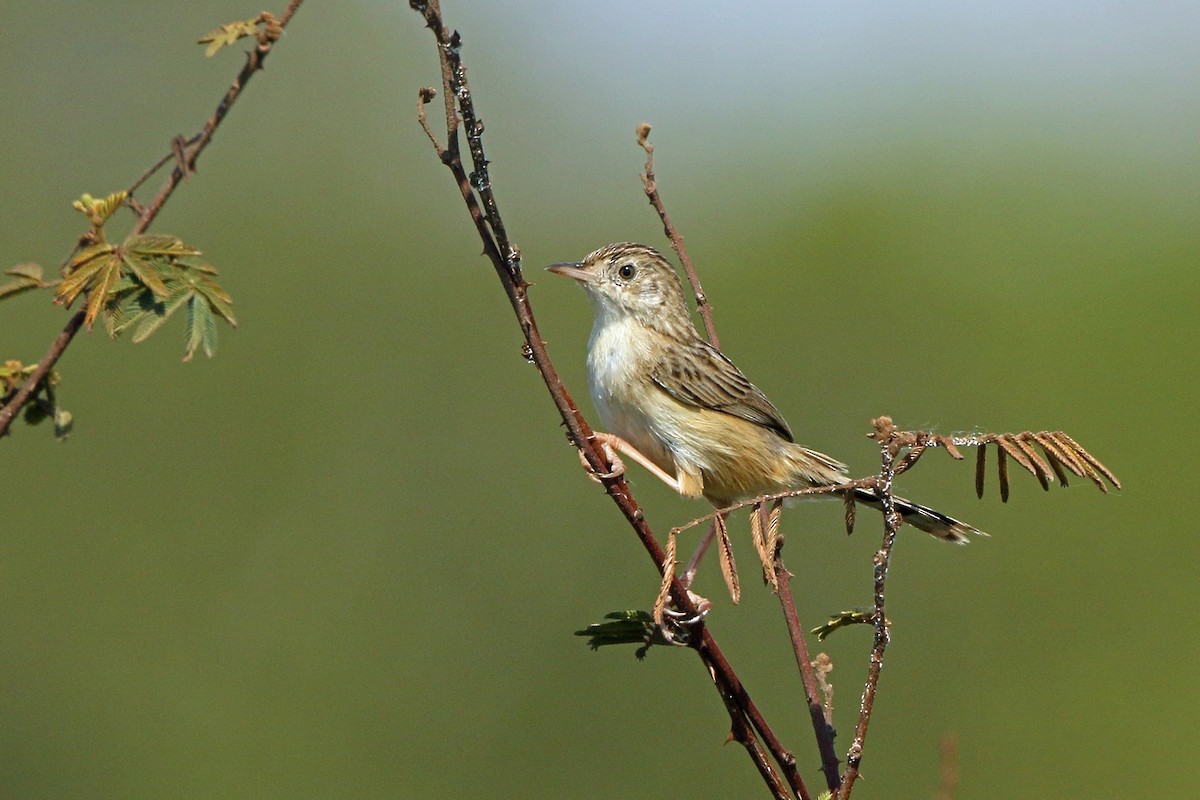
(345, 558)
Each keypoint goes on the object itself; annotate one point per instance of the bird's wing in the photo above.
(699, 375)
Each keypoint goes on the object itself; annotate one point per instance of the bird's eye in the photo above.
(627, 271)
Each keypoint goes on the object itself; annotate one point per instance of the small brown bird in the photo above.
(680, 408)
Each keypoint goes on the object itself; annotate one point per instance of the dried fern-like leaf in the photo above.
(758, 536)
(980, 469)
(851, 511)
(1041, 469)
(948, 443)
(910, 458)
(664, 589)
(1059, 455)
(773, 522)
(1002, 472)
(728, 565)
(1078, 450)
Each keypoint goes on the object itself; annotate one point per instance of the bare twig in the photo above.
(888, 447)
(424, 95)
(194, 146)
(476, 190)
(651, 187)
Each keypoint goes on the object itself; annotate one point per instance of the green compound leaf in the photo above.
(202, 327)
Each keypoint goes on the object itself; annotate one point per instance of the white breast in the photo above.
(618, 379)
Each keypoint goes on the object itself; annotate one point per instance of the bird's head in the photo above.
(626, 280)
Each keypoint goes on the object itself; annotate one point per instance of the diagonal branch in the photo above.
(191, 149)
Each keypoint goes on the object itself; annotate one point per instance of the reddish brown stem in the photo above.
(650, 185)
(821, 727)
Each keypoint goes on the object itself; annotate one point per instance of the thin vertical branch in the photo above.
(816, 710)
(651, 187)
(885, 434)
(193, 148)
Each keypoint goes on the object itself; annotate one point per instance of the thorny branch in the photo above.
(477, 192)
(185, 153)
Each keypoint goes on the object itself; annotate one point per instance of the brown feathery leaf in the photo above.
(910, 458)
(1040, 468)
(1053, 457)
(1007, 442)
(980, 469)
(773, 523)
(774, 518)
(757, 535)
(664, 589)
(1002, 472)
(851, 511)
(728, 566)
(1090, 459)
(1073, 460)
(951, 448)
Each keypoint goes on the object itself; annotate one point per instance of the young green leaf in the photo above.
(81, 272)
(219, 300)
(154, 318)
(107, 277)
(228, 34)
(149, 244)
(98, 211)
(202, 327)
(25, 278)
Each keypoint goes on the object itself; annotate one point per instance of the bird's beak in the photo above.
(571, 269)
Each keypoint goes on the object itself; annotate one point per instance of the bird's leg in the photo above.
(694, 562)
(610, 444)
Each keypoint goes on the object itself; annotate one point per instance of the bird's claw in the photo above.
(616, 467)
(680, 619)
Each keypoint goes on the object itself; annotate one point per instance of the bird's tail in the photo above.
(818, 469)
(924, 518)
